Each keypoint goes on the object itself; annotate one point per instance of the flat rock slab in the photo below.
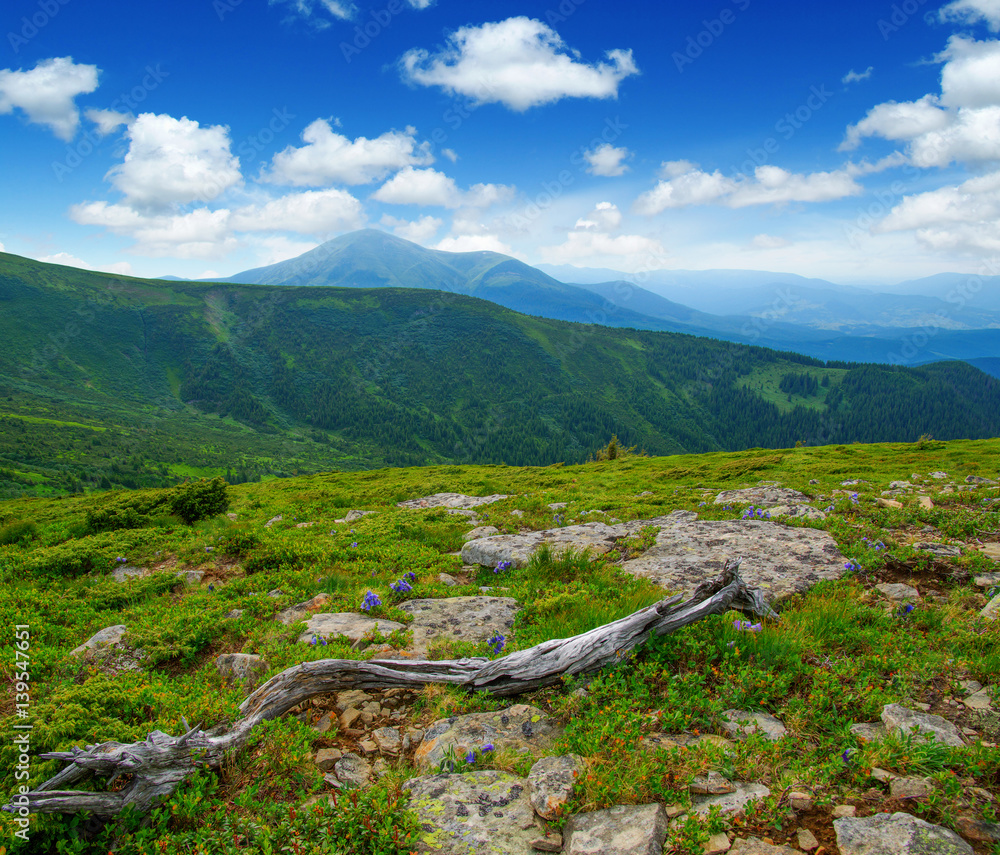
(107, 637)
(741, 725)
(450, 500)
(303, 610)
(762, 497)
(991, 611)
(805, 512)
(898, 591)
(899, 718)
(622, 829)
(896, 834)
(353, 626)
(123, 572)
(733, 802)
(478, 812)
(551, 781)
(940, 550)
(471, 619)
(753, 846)
(520, 727)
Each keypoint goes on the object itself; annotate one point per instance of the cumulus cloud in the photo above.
(419, 231)
(316, 12)
(329, 157)
(108, 121)
(314, 212)
(893, 120)
(592, 242)
(604, 218)
(429, 187)
(972, 12)
(853, 76)
(274, 248)
(474, 243)
(174, 161)
(519, 62)
(607, 160)
(46, 94)
(68, 260)
(769, 185)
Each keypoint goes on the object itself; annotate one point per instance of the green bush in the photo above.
(67, 559)
(199, 500)
(18, 532)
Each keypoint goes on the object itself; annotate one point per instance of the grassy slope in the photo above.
(836, 658)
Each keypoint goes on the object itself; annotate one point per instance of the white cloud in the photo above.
(770, 185)
(108, 121)
(2, 248)
(450, 154)
(965, 217)
(315, 11)
(973, 11)
(421, 4)
(68, 260)
(970, 76)
(519, 62)
(597, 249)
(604, 218)
(607, 160)
(172, 161)
(429, 187)
(46, 93)
(765, 241)
(853, 76)
(274, 248)
(419, 231)
(474, 243)
(893, 120)
(315, 212)
(328, 157)
(485, 195)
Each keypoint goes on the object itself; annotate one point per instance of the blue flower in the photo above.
(497, 643)
(371, 600)
(120, 560)
(470, 757)
(487, 747)
(411, 576)
(905, 610)
(503, 565)
(401, 586)
(354, 545)
(846, 756)
(852, 566)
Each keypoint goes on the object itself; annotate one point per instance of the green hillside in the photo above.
(106, 380)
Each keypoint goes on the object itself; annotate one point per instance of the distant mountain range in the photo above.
(778, 310)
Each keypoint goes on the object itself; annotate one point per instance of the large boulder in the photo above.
(352, 626)
(471, 619)
(450, 500)
(762, 497)
(904, 720)
(521, 727)
(108, 637)
(622, 829)
(896, 834)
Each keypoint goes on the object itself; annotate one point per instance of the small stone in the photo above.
(979, 700)
(622, 829)
(925, 503)
(447, 579)
(380, 768)
(883, 776)
(806, 839)
(755, 846)
(325, 723)
(711, 784)
(550, 843)
(992, 609)
(331, 780)
(245, 668)
(970, 826)
(940, 550)
(107, 637)
(272, 521)
(551, 781)
(388, 740)
(896, 833)
(368, 746)
(348, 717)
(898, 591)
(740, 724)
(840, 811)
(352, 698)
(898, 718)
(911, 788)
(800, 801)
(234, 614)
(481, 531)
(987, 580)
(191, 577)
(352, 771)
(888, 503)
(869, 731)
(717, 844)
(675, 810)
(326, 758)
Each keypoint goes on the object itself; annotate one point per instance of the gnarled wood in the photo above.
(160, 762)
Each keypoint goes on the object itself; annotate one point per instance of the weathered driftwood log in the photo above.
(159, 763)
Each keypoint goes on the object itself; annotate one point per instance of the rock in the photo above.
(753, 846)
(800, 801)
(557, 506)
(939, 476)
(352, 626)
(485, 811)
(911, 788)
(869, 731)
(447, 579)
(977, 479)
(352, 698)
(740, 725)
(712, 784)
(622, 829)
(305, 524)
(939, 550)
(245, 668)
(987, 580)
(191, 577)
(761, 497)
(970, 687)
(234, 614)
(653, 741)
(888, 503)
(276, 594)
(303, 610)
(481, 531)
(368, 746)
(450, 500)
(969, 825)
(123, 572)
(991, 611)
(354, 516)
(806, 839)
(717, 844)
(388, 740)
(925, 502)
(840, 811)
(898, 591)
(551, 781)
(325, 723)
(883, 776)
(348, 717)
(326, 758)
(896, 834)
(732, 802)
(352, 771)
(806, 512)
(272, 521)
(107, 637)
(991, 551)
(471, 619)
(900, 485)
(979, 701)
(521, 727)
(552, 842)
(896, 717)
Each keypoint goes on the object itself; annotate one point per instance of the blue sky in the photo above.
(856, 141)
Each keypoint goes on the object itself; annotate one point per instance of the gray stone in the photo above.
(805, 512)
(806, 839)
(717, 844)
(551, 781)
(840, 811)
(896, 834)
(325, 723)
(234, 614)
(622, 829)
(388, 740)
(557, 506)
(107, 637)
(711, 784)
(552, 842)
(471, 619)
(977, 479)
(900, 485)
(762, 497)
(326, 758)
(939, 476)
(447, 579)
(478, 812)
(272, 521)
(303, 610)
(352, 626)
(800, 801)
(897, 717)
(191, 577)
(354, 516)
(979, 701)
(991, 611)
(520, 727)
(969, 825)
(352, 698)
(740, 725)
(245, 668)
(481, 531)
(869, 731)
(352, 771)
(939, 550)
(988, 580)
(733, 802)
(898, 591)
(753, 846)
(123, 572)
(450, 500)
(991, 551)
(911, 788)
(970, 687)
